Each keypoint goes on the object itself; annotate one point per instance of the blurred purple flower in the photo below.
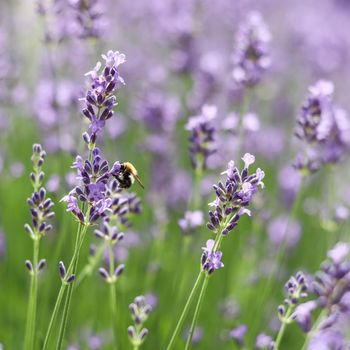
(202, 136)
(284, 230)
(263, 341)
(238, 333)
(327, 339)
(339, 252)
(191, 220)
(251, 54)
(197, 334)
(303, 316)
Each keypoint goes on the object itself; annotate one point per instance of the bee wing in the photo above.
(139, 181)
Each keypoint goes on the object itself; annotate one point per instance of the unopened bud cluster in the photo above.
(65, 278)
(140, 311)
(40, 265)
(40, 206)
(110, 234)
(296, 289)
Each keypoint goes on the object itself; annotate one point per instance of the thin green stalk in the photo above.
(216, 247)
(91, 265)
(196, 312)
(33, 295)
(185, 310)
(244, 109)
(196, 194)
(61, 292)
(284, 324)
(70, 289)
(113, 301)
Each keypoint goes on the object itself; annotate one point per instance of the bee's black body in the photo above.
(125, 177)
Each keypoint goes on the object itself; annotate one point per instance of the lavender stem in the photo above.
(112, 291)
(75, 261)
(196, 312)
(185, 310)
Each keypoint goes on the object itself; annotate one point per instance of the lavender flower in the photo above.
(316, 119)
(238, 333)
(73, 19)
(191, 220)
(324, 128)
(197, 334)
(284, 230)
(202, 136)
(333, 281)
(234, 196)
(99, 99)
(230, 204)
(211, 260)
(40, 206)
(140, 311)
(251, 57)
(264, 341)
(328, 339)
(93, 176)
(296, 288)
(303, 315)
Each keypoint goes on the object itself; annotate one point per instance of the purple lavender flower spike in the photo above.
(235, 195)
(323, 127)
(264, 341)
(40, 206)
(316, 119)
(251, 57)
(211, 259)
(238, 333)
(303, 316)
(202, 136)
(191, 220)
(100, 99)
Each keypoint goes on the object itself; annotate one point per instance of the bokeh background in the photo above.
(179, 57)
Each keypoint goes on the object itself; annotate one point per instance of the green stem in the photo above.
(91, 265)
(33, 295)
(112, 291)
(196, 194)
(67, 303)
(61, 291)
(196, 313)
(284, 324)
(185, 311)
(244, 109)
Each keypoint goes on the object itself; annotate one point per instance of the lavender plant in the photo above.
(323, 127)
(232, 199)
(251, 57)
(331, 287)
(140, 311)
(296, 289)
(202, 146)
(41, 210)
(88, 201)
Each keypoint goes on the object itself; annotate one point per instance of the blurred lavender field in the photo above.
(174, 174)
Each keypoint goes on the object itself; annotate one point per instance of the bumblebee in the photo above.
(127, 176)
